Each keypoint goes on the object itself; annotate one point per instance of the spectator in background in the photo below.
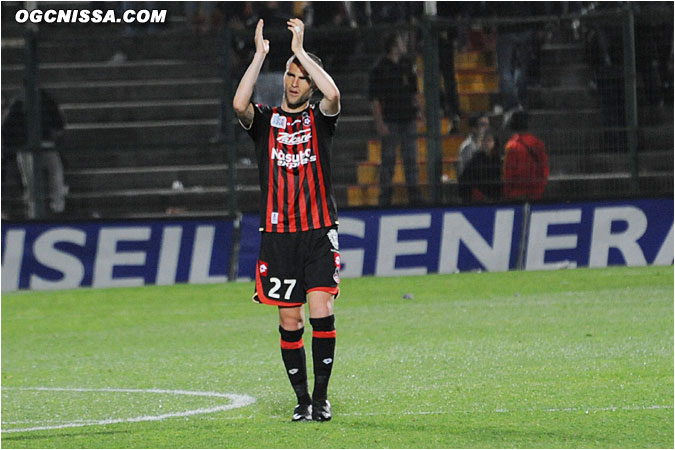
(516, 49)
(654, 55)
(478, 122)
(482, 178)
(604, 49)
(448, 42)
(525, 163)
(395, 105)
(15, 138)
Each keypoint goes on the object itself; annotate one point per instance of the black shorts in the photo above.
(292, 264)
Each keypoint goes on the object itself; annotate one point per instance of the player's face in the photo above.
(297, 86)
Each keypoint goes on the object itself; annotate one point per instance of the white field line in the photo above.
(236, 401)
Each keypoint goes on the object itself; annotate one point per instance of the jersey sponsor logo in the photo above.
(292, 160)
(299, 137)
(263, 267)
(278, 121)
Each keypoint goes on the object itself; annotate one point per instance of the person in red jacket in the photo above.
(525, 163)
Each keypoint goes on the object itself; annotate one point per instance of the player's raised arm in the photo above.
(330, 104)
(242, 98)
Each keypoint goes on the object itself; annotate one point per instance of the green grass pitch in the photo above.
(564, 359)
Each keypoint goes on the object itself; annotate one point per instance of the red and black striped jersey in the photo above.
(293, 152)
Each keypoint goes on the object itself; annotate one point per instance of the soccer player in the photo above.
(299, 259)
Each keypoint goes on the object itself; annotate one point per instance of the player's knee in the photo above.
(291, 323)
(320, 304)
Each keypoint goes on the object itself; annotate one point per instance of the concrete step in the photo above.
(81, 113)
(106, 71)
(165, 132)
(593, 140)
(89, 158)
(656, 137)
(565, 119)
(354, 105)
(157, 177)
(168, 202)
(186, 46)
(352, 82)
(345, 153)
(562, 54)
(655, 161)
(561, 97)
(572, 75)
(133, 201)
(137, 90)
(604, 163)
(362, 127)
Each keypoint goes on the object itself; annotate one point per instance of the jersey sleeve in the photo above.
(262, 115)
(327, 123)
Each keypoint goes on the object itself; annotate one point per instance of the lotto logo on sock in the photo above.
(328, 361)
(293, 371)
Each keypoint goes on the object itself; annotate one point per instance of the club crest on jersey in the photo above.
(263, 268)
(278, 121)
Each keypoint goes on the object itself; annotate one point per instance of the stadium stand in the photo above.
(142, 113)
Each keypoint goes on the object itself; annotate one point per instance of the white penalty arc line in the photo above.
(236, 401)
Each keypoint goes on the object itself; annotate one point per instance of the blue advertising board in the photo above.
(372, 242)
(112, 254)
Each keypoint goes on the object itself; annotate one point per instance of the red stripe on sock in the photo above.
(324, 334)
(291, 345)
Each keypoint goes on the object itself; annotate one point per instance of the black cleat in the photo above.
(321, 411)
(302, 413)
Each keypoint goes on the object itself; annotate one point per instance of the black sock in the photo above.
(323, 352)
(293, 354)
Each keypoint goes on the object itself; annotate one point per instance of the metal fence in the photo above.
(148, 129)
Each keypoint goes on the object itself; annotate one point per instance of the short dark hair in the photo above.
(312, 56)
(474, 118)
(519, 121)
